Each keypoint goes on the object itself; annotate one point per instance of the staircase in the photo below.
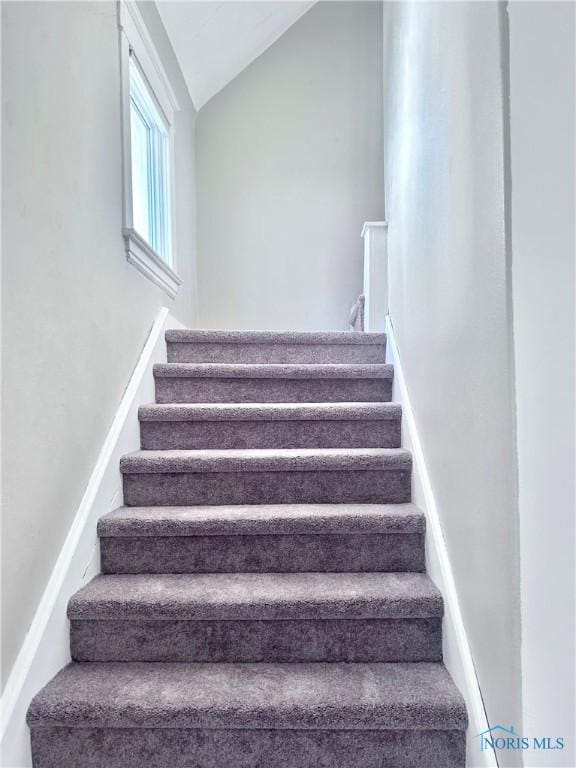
(263, 600)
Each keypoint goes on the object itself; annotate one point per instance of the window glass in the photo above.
(150, 166)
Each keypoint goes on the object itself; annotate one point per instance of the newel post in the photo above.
(375, 275)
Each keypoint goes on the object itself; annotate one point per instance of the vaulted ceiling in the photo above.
(215, 41)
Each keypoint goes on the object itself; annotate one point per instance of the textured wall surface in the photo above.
(75, 313)
(289, 167)
(450, 303)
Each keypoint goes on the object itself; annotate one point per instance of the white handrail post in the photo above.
(375, 275)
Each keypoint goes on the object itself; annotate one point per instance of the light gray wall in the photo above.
(289, 167)
(542, 140)
(451, 310)
(75, 313)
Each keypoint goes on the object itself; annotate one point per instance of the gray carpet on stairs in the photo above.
(290, 476)
(265, 383)
(273, 425)
(263, 600)
(274, 347)
(270, 538)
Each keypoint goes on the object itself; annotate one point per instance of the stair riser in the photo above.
(256, 390)
(314, 487)
(354, 640)
(182, 435)
(188, 748)
(263, 553)
(276, 353)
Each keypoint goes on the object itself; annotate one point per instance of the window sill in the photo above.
(147, 261)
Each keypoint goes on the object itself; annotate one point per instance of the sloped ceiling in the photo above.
(215, 41)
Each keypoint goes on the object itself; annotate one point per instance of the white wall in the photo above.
(542, 87)
(75, 313)
(450, 306)
(289, 167)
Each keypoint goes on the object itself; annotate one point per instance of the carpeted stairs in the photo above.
(263, 601)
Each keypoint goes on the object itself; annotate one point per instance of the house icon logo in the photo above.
(498, 733)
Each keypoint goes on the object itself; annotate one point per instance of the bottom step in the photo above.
(126, 715)
(185, 748)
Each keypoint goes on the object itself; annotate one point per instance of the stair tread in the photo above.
(269, 411)
(275, 370)
(257, 596)
(266, 460)
(251, 696)
(264, 519)
(191, 336)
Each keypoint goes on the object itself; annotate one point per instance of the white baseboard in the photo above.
(456, 649)
(46, 648)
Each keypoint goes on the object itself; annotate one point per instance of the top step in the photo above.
(189, 346)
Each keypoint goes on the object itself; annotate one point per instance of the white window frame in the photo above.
(135, 41)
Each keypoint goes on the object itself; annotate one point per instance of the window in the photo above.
(148, 146)
(149, 137)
